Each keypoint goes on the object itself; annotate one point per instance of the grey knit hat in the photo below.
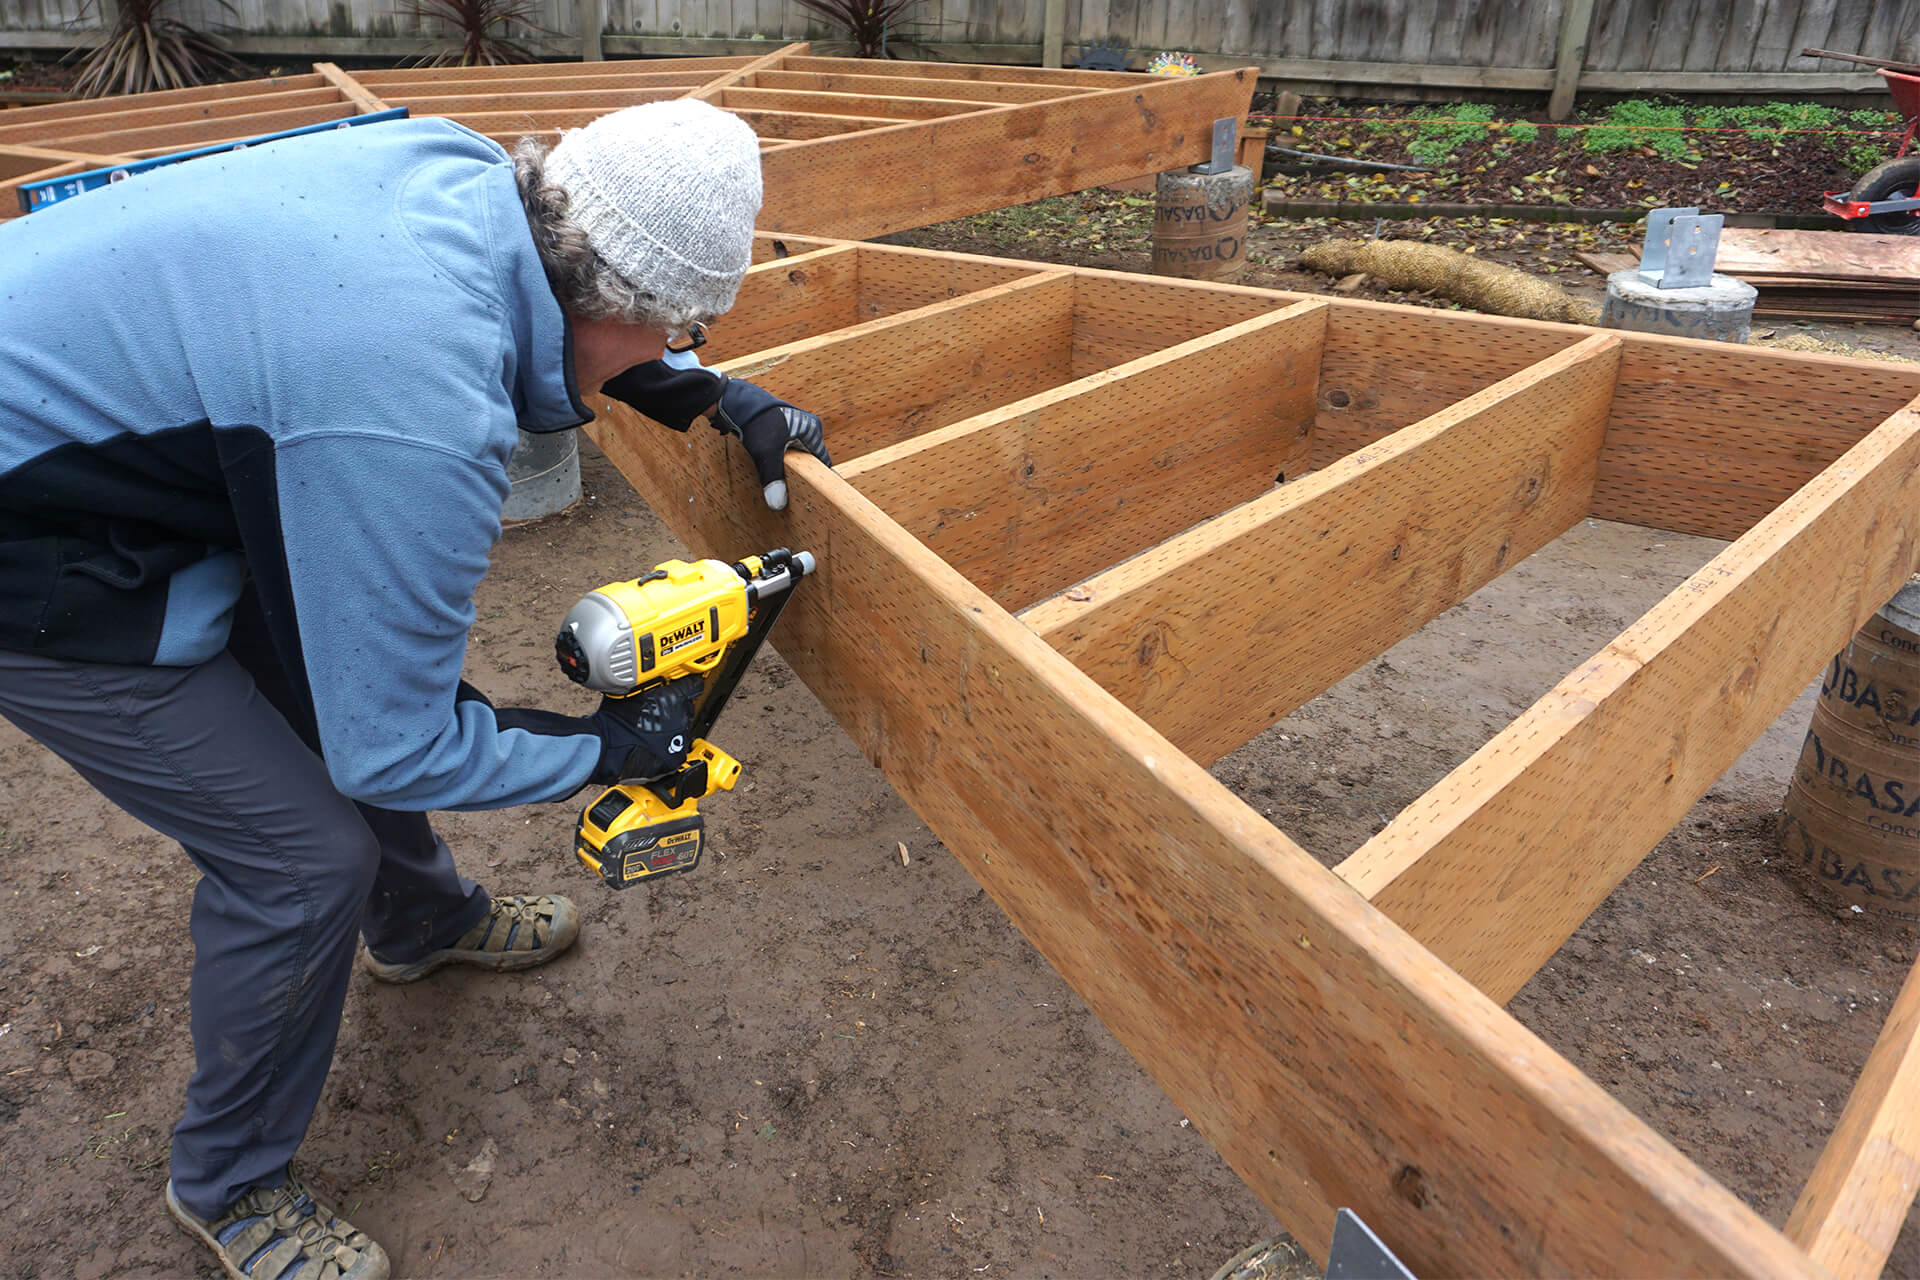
(666, 194)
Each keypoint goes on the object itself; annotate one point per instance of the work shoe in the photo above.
(518, 933)
(284, 1234)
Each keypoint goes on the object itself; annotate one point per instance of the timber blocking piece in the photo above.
(849, 147)
(1130, 478)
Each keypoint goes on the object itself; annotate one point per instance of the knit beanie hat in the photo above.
(666, 194)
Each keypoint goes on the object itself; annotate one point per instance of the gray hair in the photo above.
(586, 286)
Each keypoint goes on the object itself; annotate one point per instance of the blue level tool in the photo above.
(38, 195)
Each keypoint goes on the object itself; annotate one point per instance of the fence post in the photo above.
(1576, 22)
(1053, 30)
(592, 18)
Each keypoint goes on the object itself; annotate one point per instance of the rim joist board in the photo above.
(1089, 531)
(850, 147)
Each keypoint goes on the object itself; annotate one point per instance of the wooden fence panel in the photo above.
(1388, 40)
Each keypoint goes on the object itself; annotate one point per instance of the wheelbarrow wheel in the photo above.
(1894, 180)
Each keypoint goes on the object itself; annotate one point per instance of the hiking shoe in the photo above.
(284, 1234)
(518, 933)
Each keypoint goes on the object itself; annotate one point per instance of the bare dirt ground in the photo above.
(810, 1059)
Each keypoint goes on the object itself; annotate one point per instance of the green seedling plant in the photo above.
(1639, 122)
(1443, 129)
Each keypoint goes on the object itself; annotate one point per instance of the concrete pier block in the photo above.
(1720, 310)
(545, 471)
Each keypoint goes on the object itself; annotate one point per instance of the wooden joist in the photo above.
(1321, 1040)
(364, 100)
(1612, 757)
(895, 377)
(1029, 498)
(1333, 569)
(899, 144)
(988, 160)
(200, 133)
(1852, 1209)
(211, 109)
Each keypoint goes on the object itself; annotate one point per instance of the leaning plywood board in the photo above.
(1326, 1051)
(896, 144)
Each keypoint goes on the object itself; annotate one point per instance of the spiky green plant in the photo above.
(482, 30)
(148, 50)
(874, 27)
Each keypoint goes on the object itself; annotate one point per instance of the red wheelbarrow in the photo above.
(1887, 199)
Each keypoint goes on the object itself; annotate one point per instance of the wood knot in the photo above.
(1411, 1185)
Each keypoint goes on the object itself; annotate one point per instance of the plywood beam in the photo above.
(1215, 634)
(1852, 1209)
(1500, 862)
(1325, 1056)
(991, 159)
(890, 379)
(1708, 438)
(844, 104)
(1029, 498)
(364, 100)
(725, 79)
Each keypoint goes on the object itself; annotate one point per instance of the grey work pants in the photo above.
(221, 758)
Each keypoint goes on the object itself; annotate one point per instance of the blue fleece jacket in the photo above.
(303, 362)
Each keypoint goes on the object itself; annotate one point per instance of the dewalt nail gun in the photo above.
(703, 618)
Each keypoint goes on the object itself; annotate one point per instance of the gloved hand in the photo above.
(767, 427)
(648, 734)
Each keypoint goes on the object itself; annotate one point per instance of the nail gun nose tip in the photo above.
(804, 562)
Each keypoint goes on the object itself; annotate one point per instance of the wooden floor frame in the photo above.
(850, 147)
(1089, 531)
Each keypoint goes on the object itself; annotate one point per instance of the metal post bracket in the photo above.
(1226, 134)
(1358, 1254)
(1680, 247)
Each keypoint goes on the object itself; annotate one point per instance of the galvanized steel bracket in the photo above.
(1680, 247)
(1358, 1254)
(1226, 132)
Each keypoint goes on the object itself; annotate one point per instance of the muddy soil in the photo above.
(813, 1058)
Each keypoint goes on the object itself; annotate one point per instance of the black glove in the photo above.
(767, 426)
(646, 735)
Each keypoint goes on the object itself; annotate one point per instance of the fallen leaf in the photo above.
(1347, 284)
(473, 1181)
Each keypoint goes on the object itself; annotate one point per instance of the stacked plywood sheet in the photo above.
(1815, 275)
(850, 147)
(1091, 531)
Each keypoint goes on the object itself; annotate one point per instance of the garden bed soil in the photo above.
(1717, 169)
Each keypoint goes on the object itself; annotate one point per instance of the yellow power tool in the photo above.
(703, 618)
